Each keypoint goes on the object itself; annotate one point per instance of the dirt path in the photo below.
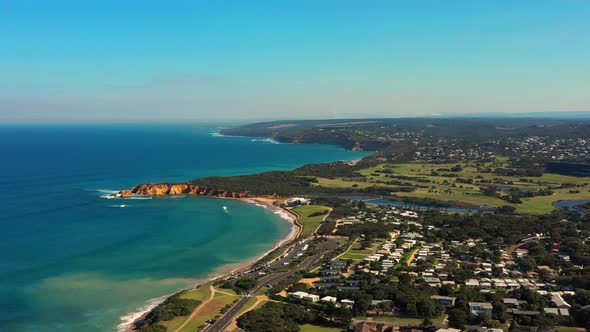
(346, 251)
(226, 293)
(197, 310)
(309, 281)
(412, 256)
(323, 219)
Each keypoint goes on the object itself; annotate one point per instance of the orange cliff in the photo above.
(161, 189)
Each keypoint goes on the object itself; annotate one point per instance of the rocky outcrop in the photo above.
(161, 189)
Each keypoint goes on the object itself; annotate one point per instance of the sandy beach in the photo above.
(129, 320)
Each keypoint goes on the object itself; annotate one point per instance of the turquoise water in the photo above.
(73, 261)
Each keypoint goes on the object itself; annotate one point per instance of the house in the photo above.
(447, 301)
(557, 311)
(365, 327)
(472, 283)
(328, 299)
(311, 298)
(296, 201)
(513, 303)
(432, 282)
(298, 295)
(478, 308)
(518, 312)
(320, 285)
(559, 301)
(347, 303)
(521, 252)
(336, 264)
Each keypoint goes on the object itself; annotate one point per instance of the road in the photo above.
(272, 279)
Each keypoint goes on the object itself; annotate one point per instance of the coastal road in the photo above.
(222, 323)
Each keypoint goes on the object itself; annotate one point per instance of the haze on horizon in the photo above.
(144, 61)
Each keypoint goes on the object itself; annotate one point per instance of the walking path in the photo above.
(323, 219)
(198, 309)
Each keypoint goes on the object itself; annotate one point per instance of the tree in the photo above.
(411, 309)
(245, 284)
(457, 318)
(426, 308)
(514, 326)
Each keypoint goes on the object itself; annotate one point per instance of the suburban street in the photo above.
(274, 278)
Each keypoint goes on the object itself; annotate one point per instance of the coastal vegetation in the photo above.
(173, 307)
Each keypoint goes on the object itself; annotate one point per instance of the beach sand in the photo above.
(129, 320)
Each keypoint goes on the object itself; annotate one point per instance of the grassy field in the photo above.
(449, 189)
(356, 252)
(310, 223)
(317, 328)
(224, 291)
(209, 310)
(202, 293)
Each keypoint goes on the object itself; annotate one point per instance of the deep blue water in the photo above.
(73, 261)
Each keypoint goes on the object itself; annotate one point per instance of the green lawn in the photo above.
(210, 311)
(202, 293)
(172, 325)
(357, 253)
(310, 224)
(404, 259)
(224, 292)
(317, 328)
(450, 190)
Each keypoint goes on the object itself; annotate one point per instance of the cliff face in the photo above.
(160, 189)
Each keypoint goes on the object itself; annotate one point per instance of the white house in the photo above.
(328, 299)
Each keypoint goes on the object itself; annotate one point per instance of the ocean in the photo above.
(71, 260)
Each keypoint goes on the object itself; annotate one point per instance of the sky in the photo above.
(176, 61)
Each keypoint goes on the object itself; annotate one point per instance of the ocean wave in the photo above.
(139, 197)
(173, 196)
(265, 140)
(217, 134)
(128, 319)
(106, 191)
(283, 214)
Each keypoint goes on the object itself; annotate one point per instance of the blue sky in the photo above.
(174, 61)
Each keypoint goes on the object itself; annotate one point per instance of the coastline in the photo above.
(130, 319)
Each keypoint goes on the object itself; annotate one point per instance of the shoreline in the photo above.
(130, 319)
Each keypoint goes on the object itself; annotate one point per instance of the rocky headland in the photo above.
(162, 189)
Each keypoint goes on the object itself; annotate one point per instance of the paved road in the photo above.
(272, 279)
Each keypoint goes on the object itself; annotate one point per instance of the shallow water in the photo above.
(401, 204)
(571, 205)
